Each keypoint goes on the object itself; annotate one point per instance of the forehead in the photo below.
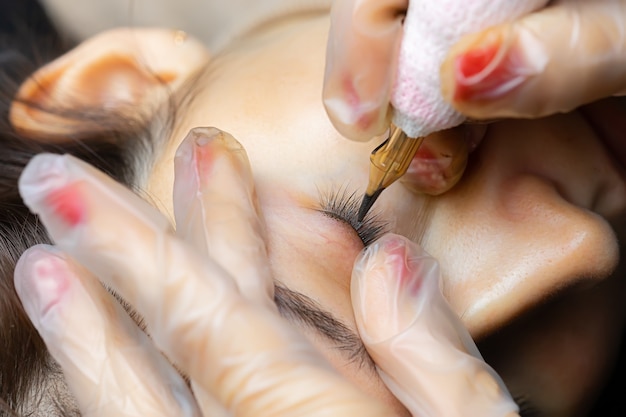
(267, 94)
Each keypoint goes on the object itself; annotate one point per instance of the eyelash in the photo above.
(340, 204)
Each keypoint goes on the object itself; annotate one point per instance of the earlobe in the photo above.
(117, 70)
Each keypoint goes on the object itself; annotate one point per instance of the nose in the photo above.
(519, 228)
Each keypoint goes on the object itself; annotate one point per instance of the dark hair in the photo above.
(25, 364)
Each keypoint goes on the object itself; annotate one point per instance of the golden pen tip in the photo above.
(367, 203)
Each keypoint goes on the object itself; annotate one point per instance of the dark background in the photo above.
(26, 30)
(17, 16)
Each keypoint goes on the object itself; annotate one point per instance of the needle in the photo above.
(389, 161)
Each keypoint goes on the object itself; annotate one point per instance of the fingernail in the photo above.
(195, 160)
(350, 109)
(41, 281)
(496, 63)
(50, 190)
(203, 136)
(208, 160)
(68, 204)
(355, 117)
(200, 148)
(392, 286)
(194, 151)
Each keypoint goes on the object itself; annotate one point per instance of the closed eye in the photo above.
(343, 205)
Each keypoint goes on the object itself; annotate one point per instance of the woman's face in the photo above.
(525, 240)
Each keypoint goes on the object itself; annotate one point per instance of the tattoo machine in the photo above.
(431, 28)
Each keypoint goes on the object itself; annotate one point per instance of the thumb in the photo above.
(553, 60)
(421, 348)
(360, 64)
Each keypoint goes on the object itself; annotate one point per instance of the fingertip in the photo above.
(393, 282)
(359, 123)
(42, 173)
(487, 74)
(42, 278)
(208, 163)
(217, 212)
(99, 348)
(419, 345)
(441, 160)
(362, 51)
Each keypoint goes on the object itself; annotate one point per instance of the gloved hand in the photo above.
(377, 56)
(566, 55)
(390, 52)
(204, 292)
(422, 351)
(527, 65)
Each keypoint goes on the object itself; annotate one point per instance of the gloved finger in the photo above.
(553, 60)
(216, 209)
(252, 361)
(361, 55)
(441, 159)
(430, 30)
(109, 364)
(421, 348)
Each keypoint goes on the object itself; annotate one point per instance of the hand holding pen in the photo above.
(551, 60)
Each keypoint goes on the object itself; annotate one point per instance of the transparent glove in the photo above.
(421, 348)
(389, 53)
(203, 294)
(554, 60)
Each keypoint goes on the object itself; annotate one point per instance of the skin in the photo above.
(527, 240)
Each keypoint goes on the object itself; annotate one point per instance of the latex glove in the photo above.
(239, 354)
(421, 348)
(390, 52)
(569, 54)
(378, 57)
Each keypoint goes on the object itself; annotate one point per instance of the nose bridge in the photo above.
(514, 243)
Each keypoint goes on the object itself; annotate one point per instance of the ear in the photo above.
(115, 71)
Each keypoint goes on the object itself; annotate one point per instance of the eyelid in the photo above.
(344, 224)
(343, 205)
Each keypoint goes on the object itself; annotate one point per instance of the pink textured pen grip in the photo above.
(431, 27)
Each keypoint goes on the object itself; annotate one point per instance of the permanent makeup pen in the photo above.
(388, 162)
(418, 104)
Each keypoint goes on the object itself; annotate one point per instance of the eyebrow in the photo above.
(297, 307)
(300, 308)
